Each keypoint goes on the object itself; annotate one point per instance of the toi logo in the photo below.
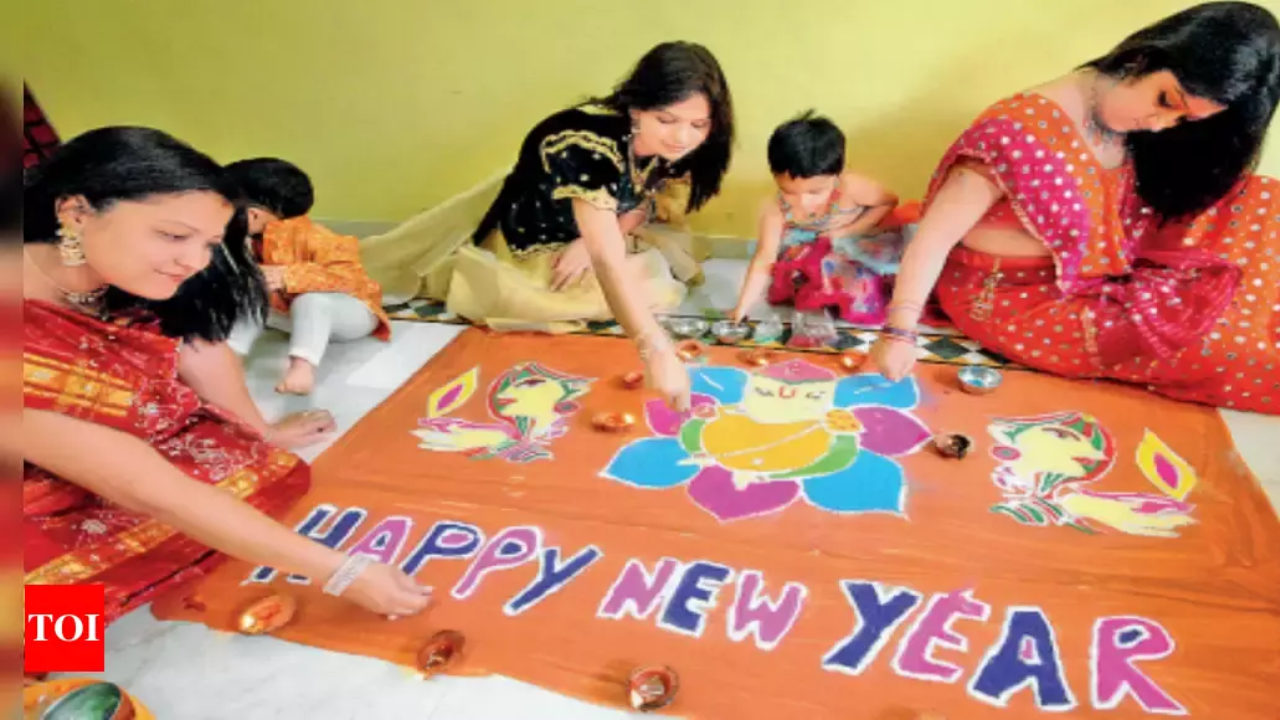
(64, 629)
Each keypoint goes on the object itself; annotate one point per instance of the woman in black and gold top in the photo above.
(557, 246)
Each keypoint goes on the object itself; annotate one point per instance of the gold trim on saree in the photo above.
(75, 386)
(584, 139)
(598, 198)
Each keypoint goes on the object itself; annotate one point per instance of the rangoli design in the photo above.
(1047, 461)
(755, 442)
(530, 404)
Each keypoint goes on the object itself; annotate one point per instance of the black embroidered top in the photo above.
(584, 152)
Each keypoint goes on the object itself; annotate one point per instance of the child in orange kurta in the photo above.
(319, 288)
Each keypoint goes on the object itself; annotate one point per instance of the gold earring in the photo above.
(70, 247)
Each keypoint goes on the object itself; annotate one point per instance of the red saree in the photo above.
(124, 376)
(1191, 311)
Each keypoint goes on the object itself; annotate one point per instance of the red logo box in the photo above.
(64, 629)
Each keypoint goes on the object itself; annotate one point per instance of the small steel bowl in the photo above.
(952, 445)
(99, 700)
(728, 332)
(441, 651)
(978, 380)
(686, 327)
(652, 688)
(613, 421)
(268, 615)
(767, 331)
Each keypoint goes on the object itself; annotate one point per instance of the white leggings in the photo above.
(313, 320)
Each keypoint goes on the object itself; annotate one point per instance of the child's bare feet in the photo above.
(299, 379)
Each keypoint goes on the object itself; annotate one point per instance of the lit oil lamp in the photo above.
(758, 357)
(652, 688)
(689, 350)
(613, 421)
(852, 360)
(952, 445)
(441, 651)
(268, 615)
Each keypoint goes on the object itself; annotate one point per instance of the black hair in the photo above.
(807, 146)
(275, 185)
(673, 72)
(1227, 52)
(115, 164)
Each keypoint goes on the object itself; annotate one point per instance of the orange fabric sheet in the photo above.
(795, 548)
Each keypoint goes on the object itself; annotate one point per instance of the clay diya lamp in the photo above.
(758, 357)
(689, 350)
(952, 445)
(852, 360)
(652, 688)
(633, 380)
(268, 615)
(614, 422)
(442, 650)
(978, 380)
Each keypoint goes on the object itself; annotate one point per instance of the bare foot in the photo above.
(299, 379)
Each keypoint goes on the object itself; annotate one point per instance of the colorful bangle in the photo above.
(647, 343)
(899, 333)
(347, 574)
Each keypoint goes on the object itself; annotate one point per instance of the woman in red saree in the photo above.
(146, 461)
(1108, 222)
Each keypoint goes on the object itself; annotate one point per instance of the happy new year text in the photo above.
(679, 596)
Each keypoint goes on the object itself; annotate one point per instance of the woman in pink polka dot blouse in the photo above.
(1107, 224)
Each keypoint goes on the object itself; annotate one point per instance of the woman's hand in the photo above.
(738, 314)
(573, 263)
(388, 591)
(894, 358)
(670, 378)
(301, 429)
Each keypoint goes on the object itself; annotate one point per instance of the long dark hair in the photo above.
(671, 73)
(130, 163)
(1227, 52)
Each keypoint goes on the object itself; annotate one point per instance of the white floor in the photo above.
(184, 671)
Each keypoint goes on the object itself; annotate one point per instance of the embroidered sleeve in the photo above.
(584, 165)
(331, 263)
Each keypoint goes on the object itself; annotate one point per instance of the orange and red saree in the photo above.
(124, 376)
(1191, 310)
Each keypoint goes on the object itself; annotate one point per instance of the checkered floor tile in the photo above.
(936, 348)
